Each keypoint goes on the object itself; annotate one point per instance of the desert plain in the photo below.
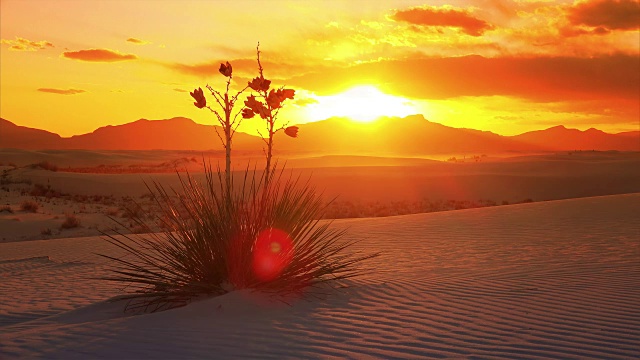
(528, 256)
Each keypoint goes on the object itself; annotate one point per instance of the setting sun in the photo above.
(363, 103)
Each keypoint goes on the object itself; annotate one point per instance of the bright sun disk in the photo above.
(361, 103)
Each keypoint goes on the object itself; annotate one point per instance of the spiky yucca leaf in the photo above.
(210, 242)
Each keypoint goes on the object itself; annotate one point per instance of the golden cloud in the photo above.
(21, 44)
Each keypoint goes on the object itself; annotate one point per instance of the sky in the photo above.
(71, 66)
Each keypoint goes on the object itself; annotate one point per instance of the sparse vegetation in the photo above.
(70, 222)
(46, 232)
(45, 165)
(6, 208)
(30, 206)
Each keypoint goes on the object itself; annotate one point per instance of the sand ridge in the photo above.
(555, 279)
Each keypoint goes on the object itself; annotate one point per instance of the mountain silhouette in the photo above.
(410, 136)
(561, 138)
(22, 137)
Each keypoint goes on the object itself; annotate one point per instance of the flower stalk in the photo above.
(226, 118)
(267, 105)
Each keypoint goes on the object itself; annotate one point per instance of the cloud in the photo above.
(21, 44)
(138, 41)
(242, 68)
(61, 91)
(180, 90)
(305, 101)
(539, 79)
(443, 17)
(608, 14)
(98, 55)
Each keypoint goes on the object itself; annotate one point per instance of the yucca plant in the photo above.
(261, 232)
(270, 240)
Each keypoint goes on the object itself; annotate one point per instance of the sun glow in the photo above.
(361, 103)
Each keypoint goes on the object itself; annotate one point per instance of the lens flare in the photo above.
(272, 252)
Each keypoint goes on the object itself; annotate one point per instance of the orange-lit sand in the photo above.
(556, 279)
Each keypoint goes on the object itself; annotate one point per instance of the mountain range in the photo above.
(410, 136)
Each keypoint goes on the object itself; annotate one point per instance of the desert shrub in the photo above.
(46, 232)
(6, 208)
(70, 222)
(45, 165)
(264, 237)
(46, 191)
(30, 206)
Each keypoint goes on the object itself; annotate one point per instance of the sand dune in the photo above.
(556, 279)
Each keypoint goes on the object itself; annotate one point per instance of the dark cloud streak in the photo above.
(541, 79)
(98, 55)
(443, 17)
(61, 91)
(609, 14)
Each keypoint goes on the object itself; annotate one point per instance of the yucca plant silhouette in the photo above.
(254, 230)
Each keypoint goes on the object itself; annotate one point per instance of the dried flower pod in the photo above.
(291, 131)
(198, 95)
(226, 69)
(247, 113)
(259, 84)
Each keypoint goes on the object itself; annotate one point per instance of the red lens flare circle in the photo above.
(272, 252)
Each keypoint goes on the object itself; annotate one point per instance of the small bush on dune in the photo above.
(70, 222)
(30, 206)
(45, 165)
(6, 208)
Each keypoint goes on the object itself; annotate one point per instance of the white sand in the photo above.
(545, 280)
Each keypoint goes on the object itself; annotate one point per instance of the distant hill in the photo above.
(172, 134)
(21, 137)
(561, 138)
(410, 136)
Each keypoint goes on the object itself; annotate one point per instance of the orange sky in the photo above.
(70, 66)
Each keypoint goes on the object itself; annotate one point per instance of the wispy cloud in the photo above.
(61, 91)
(443, 17)
(241, 68)
(21, 44)
(138, 41)
(98, 55)
(180, 90)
